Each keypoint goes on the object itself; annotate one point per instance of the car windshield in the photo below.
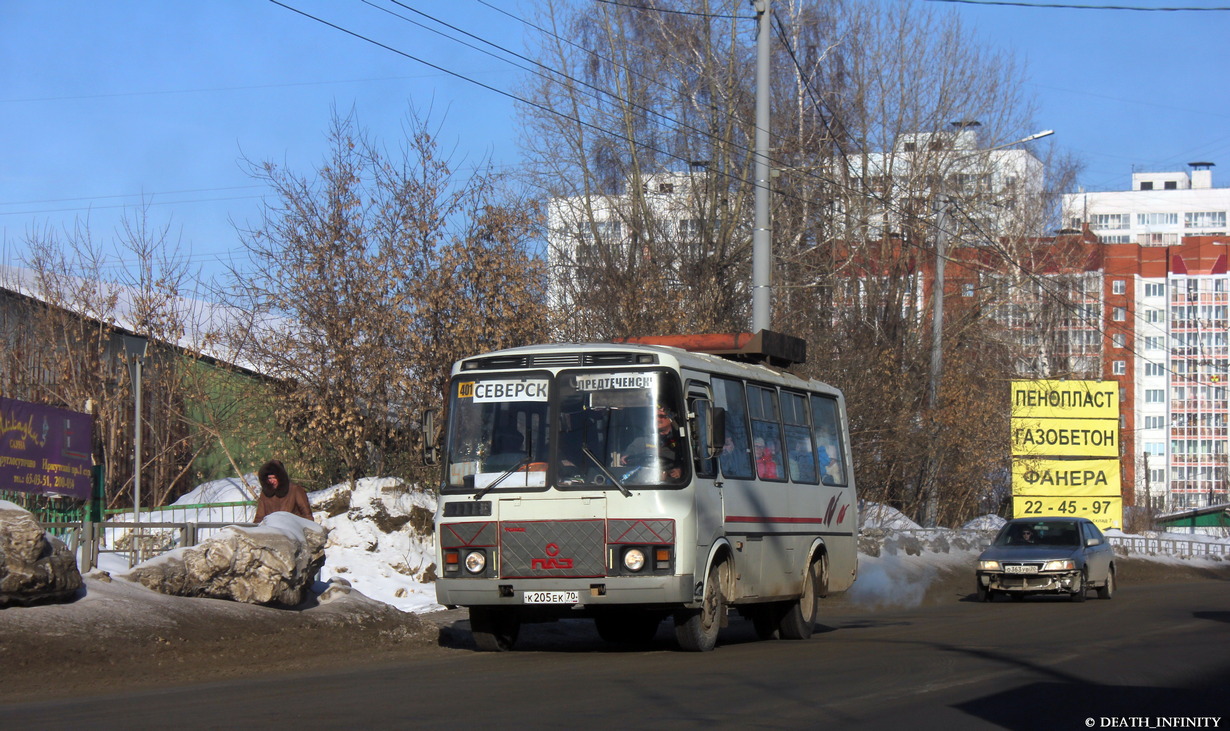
(1041, 533)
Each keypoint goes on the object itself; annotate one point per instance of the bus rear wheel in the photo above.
(800, 619)
(494, 629)
(697, 630)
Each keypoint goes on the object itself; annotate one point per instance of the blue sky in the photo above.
(105, 104)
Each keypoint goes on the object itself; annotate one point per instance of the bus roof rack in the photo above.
(765, 346)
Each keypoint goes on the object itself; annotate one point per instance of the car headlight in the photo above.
(634, 559)
(476, 561)
(988, 565)
(1065, 565)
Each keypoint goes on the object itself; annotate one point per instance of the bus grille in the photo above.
(543, 549)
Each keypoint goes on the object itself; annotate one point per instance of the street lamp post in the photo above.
(937, 318)
(134, 351)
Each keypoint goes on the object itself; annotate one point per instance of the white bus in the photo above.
(630, 483)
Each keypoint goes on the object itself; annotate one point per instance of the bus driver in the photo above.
(664, 451)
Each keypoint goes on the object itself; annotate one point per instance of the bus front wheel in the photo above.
(494, 629)
(697, 630)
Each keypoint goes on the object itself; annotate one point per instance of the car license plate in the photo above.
(1020, 569)
(552, 597)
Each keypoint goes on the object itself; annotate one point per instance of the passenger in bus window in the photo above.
(830, 467)
(665, 448)
(766, 460)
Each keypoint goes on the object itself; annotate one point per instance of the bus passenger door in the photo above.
(708, 503)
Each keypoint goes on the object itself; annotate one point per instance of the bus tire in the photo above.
(628, 628)
(800, 618)
(696, 630)
(494, 629)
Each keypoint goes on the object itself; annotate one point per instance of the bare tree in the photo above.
(62, 347)
(374, 274)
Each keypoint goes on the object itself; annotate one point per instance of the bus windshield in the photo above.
(498, 432)
(623, 426)
(614, 429)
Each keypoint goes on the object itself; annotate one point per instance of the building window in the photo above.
(1155, 422)
(1155, 396)
(1171, 185)
(1118, 340)
(1155, 342)
(967, 289)
(1204, 219)
(1146, 185)
(1155, 369)
(1112, 220)
(1156, 449)
(1155, 289)
(1157, 219)
(1118, 286)
(1119, 314)
(1154, 315)
(1119, 367)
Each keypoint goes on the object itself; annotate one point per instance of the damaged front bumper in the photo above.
(1050, 582)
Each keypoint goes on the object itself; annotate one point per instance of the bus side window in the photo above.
(736, 456)
(766, 433)
(829, 447)
(799, 453)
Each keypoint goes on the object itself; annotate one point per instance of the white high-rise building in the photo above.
(1159, 210)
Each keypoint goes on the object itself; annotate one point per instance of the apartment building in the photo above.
(1159, 210)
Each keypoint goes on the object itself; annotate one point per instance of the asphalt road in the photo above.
(1153, 652)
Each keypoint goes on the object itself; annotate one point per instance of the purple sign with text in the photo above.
(44, 449)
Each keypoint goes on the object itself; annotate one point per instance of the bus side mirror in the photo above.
(431, 437)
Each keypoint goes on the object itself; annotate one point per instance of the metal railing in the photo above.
(1124, 545)
(136, 542)
(1169, 547)
(159, 530)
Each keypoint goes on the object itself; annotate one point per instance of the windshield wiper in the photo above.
(609, 476)
(479, 495)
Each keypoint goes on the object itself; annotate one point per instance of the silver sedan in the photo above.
(1064, 556)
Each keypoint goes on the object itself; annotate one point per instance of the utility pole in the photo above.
(762, 241)
(930, 481)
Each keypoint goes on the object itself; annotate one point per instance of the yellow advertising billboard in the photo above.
(1105, 512)
(1072, 477)
(1065, 438)
(1065, 399)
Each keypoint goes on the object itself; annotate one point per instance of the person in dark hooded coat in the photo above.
(278, 493)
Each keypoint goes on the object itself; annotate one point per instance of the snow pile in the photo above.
(380, 540)
(985, 522)
(878, 515)
(380, 534)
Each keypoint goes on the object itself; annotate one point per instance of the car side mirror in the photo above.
(1093, 542)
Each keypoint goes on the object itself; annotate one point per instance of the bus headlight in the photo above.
(634, 559)
(476, 562)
